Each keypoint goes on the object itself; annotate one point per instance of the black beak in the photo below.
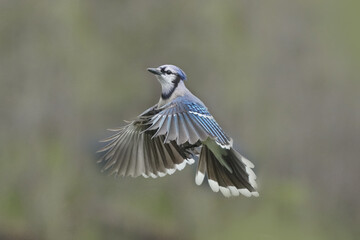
(154, 71)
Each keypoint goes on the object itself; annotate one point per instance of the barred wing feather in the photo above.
(133, 152)
(186, 121)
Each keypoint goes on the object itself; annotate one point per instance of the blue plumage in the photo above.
(168, 135)
(207, 121)
(198, 108)
(180, 72)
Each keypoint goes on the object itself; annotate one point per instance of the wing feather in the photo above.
(183, 131)
(193, 135)
(187, 121)
(134, 150)
(200, 131)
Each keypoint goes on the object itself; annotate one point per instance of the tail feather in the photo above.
(240, 180)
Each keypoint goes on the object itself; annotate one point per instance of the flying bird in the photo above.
(171, 134)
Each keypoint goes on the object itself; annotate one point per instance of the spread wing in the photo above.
(131, 151)
(187, 121)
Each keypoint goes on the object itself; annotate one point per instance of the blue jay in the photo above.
(171, 134)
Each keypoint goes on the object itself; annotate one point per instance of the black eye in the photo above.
(168, 72)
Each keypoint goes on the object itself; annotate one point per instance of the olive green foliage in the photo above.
(281, 77)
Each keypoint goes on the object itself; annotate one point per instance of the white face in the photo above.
(166, 75)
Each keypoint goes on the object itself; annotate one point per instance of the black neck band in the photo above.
(168, 94)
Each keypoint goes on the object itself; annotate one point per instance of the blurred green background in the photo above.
(281, 77)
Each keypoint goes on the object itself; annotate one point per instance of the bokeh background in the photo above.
(281, 77)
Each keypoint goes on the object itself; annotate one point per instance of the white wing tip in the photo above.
(255, 194)
(190, 161)
(252, 177)
(228, 146)
(170, 170)
(247, 162)
(234, 191)
(225, 191)
(214, 185)
(181, 165)
(199, 178)
(245, 192)
(153, 175)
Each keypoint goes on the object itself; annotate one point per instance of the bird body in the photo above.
(170, 135)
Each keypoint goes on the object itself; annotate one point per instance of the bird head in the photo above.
(169, 77)
(168, 73)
